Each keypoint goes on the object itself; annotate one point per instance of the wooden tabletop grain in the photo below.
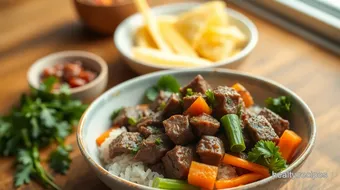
(30, 29)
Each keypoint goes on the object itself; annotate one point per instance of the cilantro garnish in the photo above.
(266, 153)
(166, 83)
(158, 141)
(40, 119)
(115, 113)
(189, 92)
(280, 105)
(211, 97)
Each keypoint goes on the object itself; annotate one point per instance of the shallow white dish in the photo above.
(125, 32)
(96, 119)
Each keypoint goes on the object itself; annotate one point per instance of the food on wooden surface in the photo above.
(196, 136)
(70, 73)
(203, 32)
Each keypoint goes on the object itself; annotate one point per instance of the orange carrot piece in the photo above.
(289, 142)
(106, 134)
(237, 181)
(246, 96)
(239, 162)
(198, 107)
(202, 175)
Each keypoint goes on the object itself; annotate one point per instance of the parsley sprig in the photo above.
(40, 119)
(281, 105)
(266, 153)
(166, 83)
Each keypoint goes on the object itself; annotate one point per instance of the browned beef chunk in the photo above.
(204, 124)
(210, 149)
(188, 100)
(226, 171)
(178, 129)
(133, 113)
(173, 106)
(260, 129)
(161, 99)
(177, 162)
(150, 125)
(158, 167)
(127, 142)
(198, 84)
(241, 171)
(153, 148)
(278, 124)
(227, 101)
(224, 139)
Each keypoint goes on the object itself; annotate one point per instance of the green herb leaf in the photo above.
(189, 92)
(47, 117)
(168, 83)
(135, 149)
(158, 141)
(266, 153)
(132, 121)
(152, 93)
(281, 105)
(65, 89)
(115, 113)
(60, 159)
(47, 84)
(211, 97)
(24, 168)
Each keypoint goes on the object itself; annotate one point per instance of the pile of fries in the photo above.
(198, 37)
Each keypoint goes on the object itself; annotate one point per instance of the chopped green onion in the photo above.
(232, 126)
(174, 184)
(189, 92)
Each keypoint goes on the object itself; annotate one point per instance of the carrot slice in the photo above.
(237, 181)
(239, 162)
(198, 107)
(289, 142)
(105, 135)
(202, 175)
(246, 96)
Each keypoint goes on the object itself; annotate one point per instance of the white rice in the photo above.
(125, 166)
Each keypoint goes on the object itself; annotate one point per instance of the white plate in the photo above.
(125, 32)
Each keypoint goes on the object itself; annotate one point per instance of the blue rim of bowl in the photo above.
(298, 161)
(242, 54)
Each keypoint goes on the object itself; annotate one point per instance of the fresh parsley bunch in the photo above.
(266, 153)
(40, 119)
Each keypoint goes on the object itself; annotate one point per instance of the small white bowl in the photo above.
(125, 32)
(89, 60)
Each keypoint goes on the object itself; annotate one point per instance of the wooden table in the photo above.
(30, 29)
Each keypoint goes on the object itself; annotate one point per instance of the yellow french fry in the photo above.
(143, 38)
(215, 51)
(158, 57)
(230, 32)
(167, 18)
(152, 25)
(175, 40)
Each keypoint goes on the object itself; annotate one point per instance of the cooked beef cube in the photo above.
(278, 124)
(154, 148)
(161, 99)
(178, 129)
(260, 129)
(177, 162)
(204, 124)
(211, 150)
(158, 167)
(225, 141)
(227, 101)
(150, 125)
(226, 171)
(198, 84)
(127, 142)
(144, 110)
(188, 100)
(173, 106)
(133, 113)
(241, 171)
(247, 139)
(132, 128)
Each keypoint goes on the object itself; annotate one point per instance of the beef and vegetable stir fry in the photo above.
(199, 136)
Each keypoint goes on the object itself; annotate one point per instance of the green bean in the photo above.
(232, 126)
(172, 184)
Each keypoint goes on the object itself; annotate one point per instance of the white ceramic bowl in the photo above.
(96, 119)
(89, 60)
(125, 32)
